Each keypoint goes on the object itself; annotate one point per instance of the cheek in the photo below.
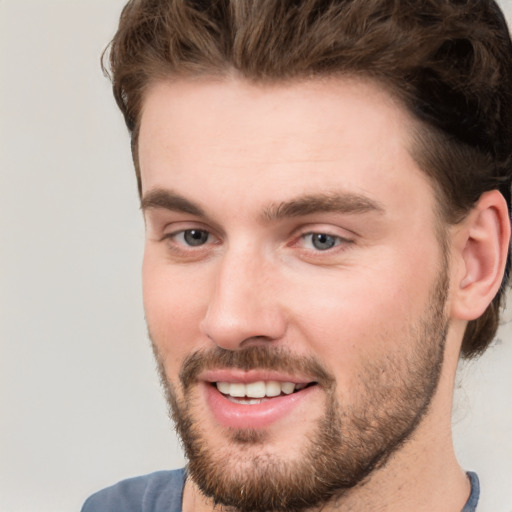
(174, 304)
(361, 314)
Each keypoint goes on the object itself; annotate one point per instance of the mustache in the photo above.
(252, 358)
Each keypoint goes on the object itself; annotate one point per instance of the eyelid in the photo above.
(173, 228)
(313, 233)
(339, 240)
(160, 222)
(326, 229)
(170, 231)
(344, 237)
(173, 234)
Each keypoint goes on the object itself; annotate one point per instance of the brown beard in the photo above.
(349, 443)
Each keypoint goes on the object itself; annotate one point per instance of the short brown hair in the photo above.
(448, 62)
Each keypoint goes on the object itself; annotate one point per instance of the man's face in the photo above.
(294, 283)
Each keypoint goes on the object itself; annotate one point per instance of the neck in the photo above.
(423, 476)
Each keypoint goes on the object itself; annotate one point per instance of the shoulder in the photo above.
(162, 490)
(475, 493)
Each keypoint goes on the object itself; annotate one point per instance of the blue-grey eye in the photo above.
(195, 237)
(323, 241)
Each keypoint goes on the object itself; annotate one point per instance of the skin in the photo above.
(234, 151)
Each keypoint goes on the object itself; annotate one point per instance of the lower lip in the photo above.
(255, 416)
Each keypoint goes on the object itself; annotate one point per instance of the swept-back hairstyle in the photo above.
(449, 62)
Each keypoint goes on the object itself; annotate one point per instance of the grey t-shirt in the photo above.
(163, 492)
(157, 492)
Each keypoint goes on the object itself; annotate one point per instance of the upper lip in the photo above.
(236, 375)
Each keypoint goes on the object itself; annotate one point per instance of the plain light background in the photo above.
(80, 403)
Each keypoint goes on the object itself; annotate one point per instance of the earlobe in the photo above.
(482, 253)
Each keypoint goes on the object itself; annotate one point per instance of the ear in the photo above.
(481, 252)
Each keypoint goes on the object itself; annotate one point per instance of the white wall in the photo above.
(80, 403)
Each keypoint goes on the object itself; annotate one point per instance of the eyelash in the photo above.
(339, 243)
(181, 247)
(336, 240)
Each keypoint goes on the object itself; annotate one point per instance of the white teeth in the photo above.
(273, 388)
(237, 389)
(224, 387)
(287, 387)
(258, 389)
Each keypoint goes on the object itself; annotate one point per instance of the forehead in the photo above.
(230, 136)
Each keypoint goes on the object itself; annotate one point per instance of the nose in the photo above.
(244, 309)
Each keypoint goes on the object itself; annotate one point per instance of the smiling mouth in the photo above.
(252, 393)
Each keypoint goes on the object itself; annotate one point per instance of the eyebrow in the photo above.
(342, 202)
(168, 200)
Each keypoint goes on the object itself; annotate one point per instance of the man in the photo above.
(326, 188)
